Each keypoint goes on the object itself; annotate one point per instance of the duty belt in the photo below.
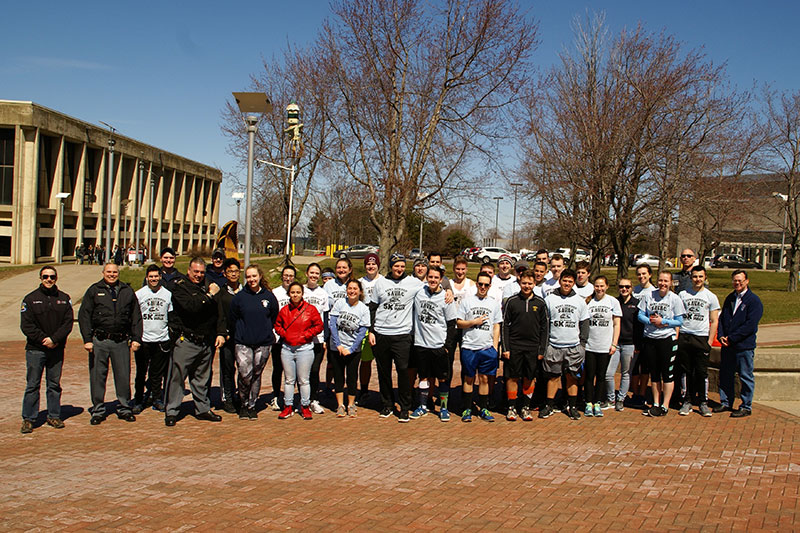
(116, 337)
(197, 339)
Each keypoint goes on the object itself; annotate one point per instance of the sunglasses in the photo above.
(484, 284)
(49, 276)
(624, 286)
(686, 255)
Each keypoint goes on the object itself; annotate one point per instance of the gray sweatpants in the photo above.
(120, 356)
(193, 361)
(250, 361)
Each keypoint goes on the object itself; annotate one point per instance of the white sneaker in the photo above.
(274, 404)
(316, 408)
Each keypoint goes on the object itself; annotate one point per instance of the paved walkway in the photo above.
(623, 472)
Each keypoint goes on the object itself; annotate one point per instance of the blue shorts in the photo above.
(479, 361)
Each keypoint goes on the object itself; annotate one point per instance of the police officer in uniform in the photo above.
(110, 319)
(46, 321)
(198, 328)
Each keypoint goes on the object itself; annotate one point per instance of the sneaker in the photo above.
(286, 413)
(573, 413)
(403, 418)
(55, 423)
(486, 415)
(27, 427)
(228, 407)
(741, 412)
(244, 413)
(704, 410)
(158, 405)
(386, 412)
(685, 409)
(352, 411)
(721, 409)
(274, 405)
(526, 414)
(444, 415)
(605, 406)
(664, 410)
(341, 412)
(466, 416)
(654, 411)
(598, 410)
(137, 409)
(546, 411)
(306, 413)
(589, 411)
(619, 406)
(316, 408)
(511, 415)
(252, 414)
(419, 412)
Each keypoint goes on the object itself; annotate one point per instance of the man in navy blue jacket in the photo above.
(738, 324)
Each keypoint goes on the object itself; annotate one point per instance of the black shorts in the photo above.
(521, 364)
(431, 363)
(640, 367)
(660, 356)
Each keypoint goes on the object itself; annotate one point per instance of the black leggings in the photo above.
(340, 364)
(319, 354)
(595, 368)
(277, 369)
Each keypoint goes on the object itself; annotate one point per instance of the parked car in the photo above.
(733, 261)
(469, 252)
(566, 253)
(414, 253)
(492, 254)
(357, 251)
(652, 260)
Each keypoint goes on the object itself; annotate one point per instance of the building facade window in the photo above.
(6, 167)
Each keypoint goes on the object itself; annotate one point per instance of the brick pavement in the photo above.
(624, 471)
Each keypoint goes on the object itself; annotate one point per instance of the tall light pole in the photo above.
(61, 197)
(497, 218)
(785, 199)
(514, 223)
(250, 103)
(137, 209)
(238, 196)
(109, 186)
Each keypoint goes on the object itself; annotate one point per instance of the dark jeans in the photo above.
(151, 365)
(37, 362)
(595, 368)
(118, 353)
(345, 364)
(397, 349)
(319, 355)
(227, 371)
(277, 369)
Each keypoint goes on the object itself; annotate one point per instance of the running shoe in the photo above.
(511, 415)
(244, 413)
(705, 410)
(605, 406)
(685, 409)
(466, 416)
(316, 408)
(573, 413)
(526, 414)
(654, 411)
(419, 412)
(444, 415)
(274, 404)
(252, 414)
(664, 410)
(486, 415)
(341, 412)
(403, 418)
(619, 406)
(589, 411)
(286, 413)
(306, 413)
(598, 410)
(546, 411)
(352, 411)
(386, 412)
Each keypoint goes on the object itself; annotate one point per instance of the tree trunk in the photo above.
(794, 265)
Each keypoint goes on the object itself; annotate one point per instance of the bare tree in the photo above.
(422, 92)
(782, 156)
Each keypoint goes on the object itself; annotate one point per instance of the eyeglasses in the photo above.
(49, 276)
(624, 286)
(483, 284)
(686, 255)
(229, 271)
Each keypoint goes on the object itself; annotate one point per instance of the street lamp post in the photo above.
(250, 103)
(497, 218)
(109, 186)
(785, 199)
(514, 223)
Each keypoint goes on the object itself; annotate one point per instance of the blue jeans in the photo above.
(49, 362)
(297, 362)
(623, 357)
(741, 362)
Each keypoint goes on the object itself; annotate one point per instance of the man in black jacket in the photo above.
(110, 318)
(46, 321)
(198, 327)
(524, 334)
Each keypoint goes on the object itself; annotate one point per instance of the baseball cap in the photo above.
(521, 266)
(167, 250)
(219, 252)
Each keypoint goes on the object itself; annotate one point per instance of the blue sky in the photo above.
(161, 72)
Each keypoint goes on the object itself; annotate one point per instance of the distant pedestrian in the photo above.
(110, 319)
(46, 320)
(738, 325)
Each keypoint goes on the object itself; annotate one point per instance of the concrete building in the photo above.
(44, 153)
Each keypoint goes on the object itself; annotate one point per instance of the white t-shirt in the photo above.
(318, 297)
(467, 289)
(510, 290)
(349, 319)
(566, 314)
(395, 301)
(639, 291)
(601, 323)
(369, 287)
(585, 291)
(668, 307)
(155, 308)
(282, 296)
(431, 315)
(500, 283)
(550, 286)
(479, 337)
(698, 306)
(336, 291)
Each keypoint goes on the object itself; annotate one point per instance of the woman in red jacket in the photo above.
(298, 324)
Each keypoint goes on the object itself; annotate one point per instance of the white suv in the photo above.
(492, 254)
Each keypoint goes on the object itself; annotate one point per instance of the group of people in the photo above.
(560, 337)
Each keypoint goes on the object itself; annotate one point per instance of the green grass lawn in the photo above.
(779, 305)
